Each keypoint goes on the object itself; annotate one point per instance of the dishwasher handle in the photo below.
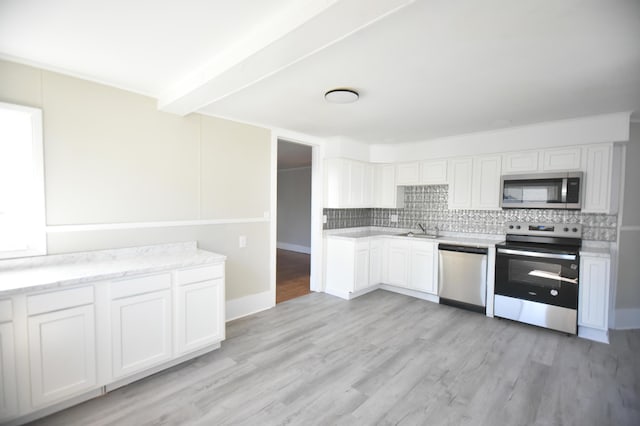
(462, 249)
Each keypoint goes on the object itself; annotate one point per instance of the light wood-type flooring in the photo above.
(384, 359)
(292, 275)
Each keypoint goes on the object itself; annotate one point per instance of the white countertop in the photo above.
(18, 275)
(472, 240)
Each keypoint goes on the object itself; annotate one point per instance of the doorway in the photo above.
(293, 246)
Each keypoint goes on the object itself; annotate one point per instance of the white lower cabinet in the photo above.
(62, 354)
(361, 276)
(376, 249)
(397, 261)
(141, 332)
(49, 340)
(593, 298)
(348, 266)
(8, 389)
(423, 267)
(197, 325)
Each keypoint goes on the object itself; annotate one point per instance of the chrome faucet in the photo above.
(423, 228)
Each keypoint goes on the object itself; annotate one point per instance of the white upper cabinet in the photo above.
(460, 171)
(336, 179)
(369, 190)
(408, 173)
(486, 182)
(561, 159)
(433, 172)
(348, 184)
(520, 162)
(386, 193)
(601, 165)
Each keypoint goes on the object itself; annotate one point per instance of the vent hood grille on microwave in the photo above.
(542, 191)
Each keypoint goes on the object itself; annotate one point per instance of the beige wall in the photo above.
(112, 157)
(628, 289)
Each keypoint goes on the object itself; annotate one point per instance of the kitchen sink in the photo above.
(418, 235)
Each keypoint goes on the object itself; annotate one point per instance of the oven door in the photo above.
(539, 276)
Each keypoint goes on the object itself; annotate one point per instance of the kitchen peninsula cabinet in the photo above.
(8, 388)
(141, 327)
(74, 326)
(197, 325)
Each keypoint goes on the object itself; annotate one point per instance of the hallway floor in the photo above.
(292, 275)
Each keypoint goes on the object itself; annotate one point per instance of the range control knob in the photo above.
(510, 226)
(575, 229)
(565, 229)
(517, 226)
(554, 292)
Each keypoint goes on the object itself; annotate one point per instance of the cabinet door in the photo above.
(593, 303)
(486, 182)
(62, 354)
(460, 179)
(433, 172)
(336, 183)
(361, 267)
(8, 389)
(199, 315)
(369, 199)
(597, 179)
(141, 332)
(398, 263)
(520, 162)
(355, 196)
(407, 174)
(375, 261)
(422, 272)
(561, 159)
(387, 194)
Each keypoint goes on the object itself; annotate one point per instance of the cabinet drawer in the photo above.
(63, 299)
(6, 310)
(140, 285)
(203, 273)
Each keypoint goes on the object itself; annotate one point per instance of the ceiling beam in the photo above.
(295, 35)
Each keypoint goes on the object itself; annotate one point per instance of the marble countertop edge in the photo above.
(86, 267)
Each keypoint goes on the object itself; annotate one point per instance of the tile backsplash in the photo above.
(427, 204)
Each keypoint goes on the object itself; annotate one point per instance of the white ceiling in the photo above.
(424, 68)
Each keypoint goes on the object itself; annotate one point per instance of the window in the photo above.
(22, 214)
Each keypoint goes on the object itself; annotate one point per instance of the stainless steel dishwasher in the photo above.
(462, 277)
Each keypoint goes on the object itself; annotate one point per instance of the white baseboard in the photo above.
(254, 303)
(594, 334)
(412, 293)
(293, 247)
(627, 319)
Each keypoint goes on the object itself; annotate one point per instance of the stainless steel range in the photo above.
(537, 273)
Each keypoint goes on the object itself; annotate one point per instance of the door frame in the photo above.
(317, 159)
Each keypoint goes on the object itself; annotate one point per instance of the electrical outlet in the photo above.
(324, 218)
(242, 241)
(393, 218)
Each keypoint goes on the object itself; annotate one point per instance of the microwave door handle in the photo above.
(564, 190)
(538, 254)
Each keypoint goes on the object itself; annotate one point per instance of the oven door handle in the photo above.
(538, 254)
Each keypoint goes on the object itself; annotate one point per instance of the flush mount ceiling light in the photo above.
(341, 96)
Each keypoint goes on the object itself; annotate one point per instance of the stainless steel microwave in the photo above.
(542, 191)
